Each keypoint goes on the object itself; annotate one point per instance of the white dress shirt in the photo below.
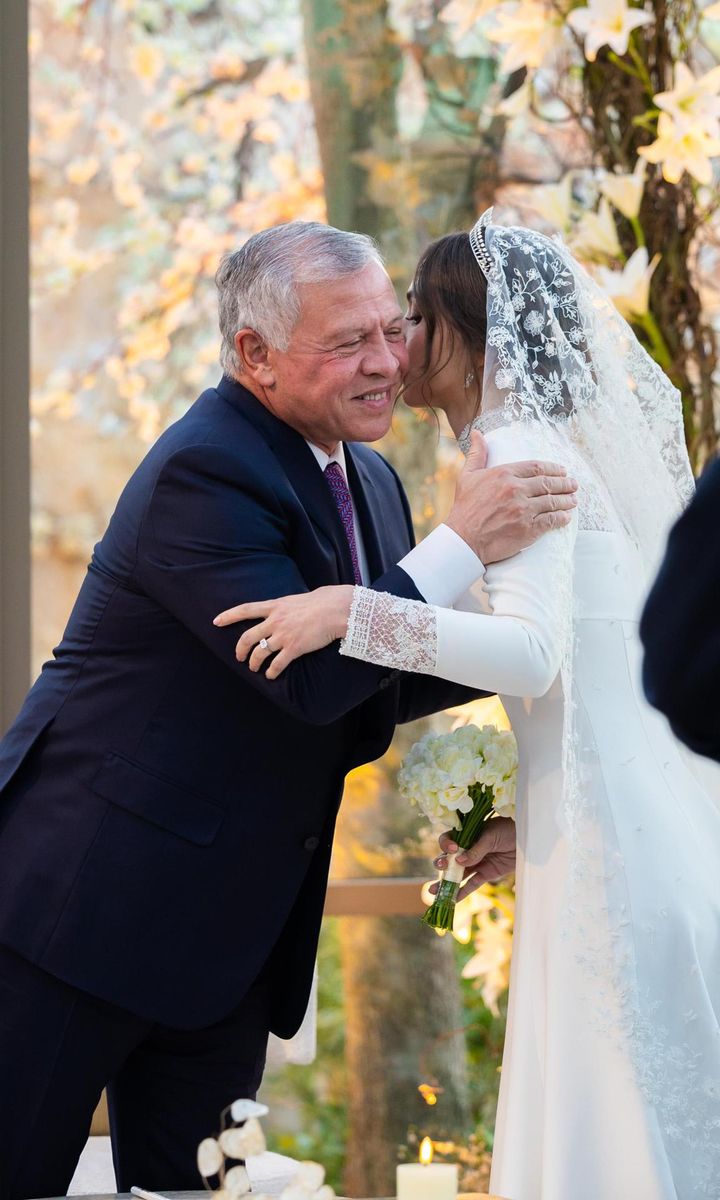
(442, 566)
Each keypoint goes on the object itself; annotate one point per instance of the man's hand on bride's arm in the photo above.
(289, 626)
(491, 858)
(501, 510)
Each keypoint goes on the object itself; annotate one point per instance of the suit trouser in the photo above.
(166, 1088)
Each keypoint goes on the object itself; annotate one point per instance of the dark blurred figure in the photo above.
(680, 626)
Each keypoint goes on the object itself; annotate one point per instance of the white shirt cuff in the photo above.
(442, 567)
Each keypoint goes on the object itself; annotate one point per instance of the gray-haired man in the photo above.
(167, 814)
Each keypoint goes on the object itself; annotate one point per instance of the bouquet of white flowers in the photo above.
(460, 780)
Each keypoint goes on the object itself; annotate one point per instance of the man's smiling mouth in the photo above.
(376, 398)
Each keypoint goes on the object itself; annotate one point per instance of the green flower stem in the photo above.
(641, 67)
(638, 231)
(471, 823)
(659, 346)
(441, 913)
(648, 120)
(618, 62)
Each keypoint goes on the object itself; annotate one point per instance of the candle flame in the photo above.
(429, 1093)
(426, 1151)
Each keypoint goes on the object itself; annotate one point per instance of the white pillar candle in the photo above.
(437, 1181)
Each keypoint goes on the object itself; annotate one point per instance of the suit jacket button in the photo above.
(311, 843)
(384, 683)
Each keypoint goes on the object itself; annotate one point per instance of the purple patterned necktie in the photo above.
(341, 495)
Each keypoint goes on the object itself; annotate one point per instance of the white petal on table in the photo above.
(271, 1172)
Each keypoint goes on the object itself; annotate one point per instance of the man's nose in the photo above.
(383, 357)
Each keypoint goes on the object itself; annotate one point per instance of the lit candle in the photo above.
(427, 1180)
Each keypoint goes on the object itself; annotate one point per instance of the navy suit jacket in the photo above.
(166, 815)
(680, 626)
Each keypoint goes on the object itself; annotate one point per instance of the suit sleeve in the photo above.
(680, 627)
(209, 541)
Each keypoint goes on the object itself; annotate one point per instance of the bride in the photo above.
(611, 1069)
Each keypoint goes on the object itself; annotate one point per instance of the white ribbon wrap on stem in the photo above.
(453, 872)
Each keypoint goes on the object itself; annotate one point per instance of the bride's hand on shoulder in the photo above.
(490, 859)
(289, 626)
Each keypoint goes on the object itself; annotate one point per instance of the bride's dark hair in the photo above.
(450, 291)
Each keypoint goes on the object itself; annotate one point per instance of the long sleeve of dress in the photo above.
(517, 648)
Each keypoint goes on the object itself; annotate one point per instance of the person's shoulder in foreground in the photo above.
(680, 626)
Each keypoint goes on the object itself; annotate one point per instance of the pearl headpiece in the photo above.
(477, 244)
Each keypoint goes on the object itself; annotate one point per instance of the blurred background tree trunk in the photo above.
(401, 1002)
(401, 985)
(354, 67)
(401, 992)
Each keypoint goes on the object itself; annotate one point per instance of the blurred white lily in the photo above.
(682, 148)
(596, 235)
(693, 102)
(629, 289)
(493, 946)
(625, 192)
(606, 23)
(529, 31)
(466, 14)
(553, 201)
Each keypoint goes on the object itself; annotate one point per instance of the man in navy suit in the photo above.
(167, 815)
(680, 626)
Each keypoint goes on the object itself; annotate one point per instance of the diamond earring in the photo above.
(469, 378)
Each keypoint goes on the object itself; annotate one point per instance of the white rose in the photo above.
(504, 804)
(459, 797)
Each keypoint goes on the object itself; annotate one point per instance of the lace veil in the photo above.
(561, 357)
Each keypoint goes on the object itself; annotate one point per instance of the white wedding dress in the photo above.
(611, 1071)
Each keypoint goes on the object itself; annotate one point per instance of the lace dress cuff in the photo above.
(391, 631)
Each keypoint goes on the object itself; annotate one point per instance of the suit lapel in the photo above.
(300, 466)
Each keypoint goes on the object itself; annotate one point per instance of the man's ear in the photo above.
(253, 353)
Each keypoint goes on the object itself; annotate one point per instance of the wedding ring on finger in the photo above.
(264, 643)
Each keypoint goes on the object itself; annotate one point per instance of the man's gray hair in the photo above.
(257, 285)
